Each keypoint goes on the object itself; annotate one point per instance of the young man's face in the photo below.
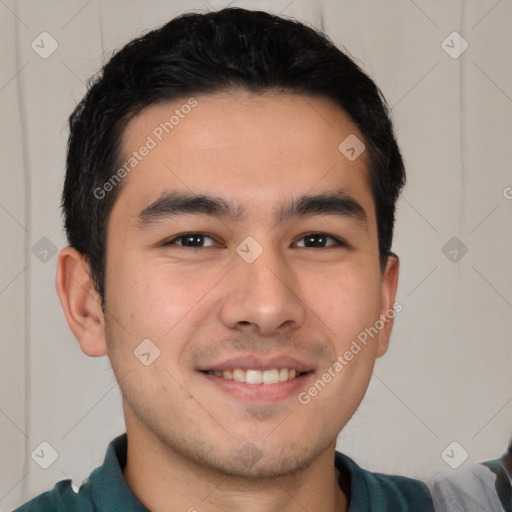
(212, 303)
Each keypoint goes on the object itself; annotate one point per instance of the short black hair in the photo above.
(204, 53)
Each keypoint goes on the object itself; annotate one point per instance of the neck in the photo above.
(164, 481)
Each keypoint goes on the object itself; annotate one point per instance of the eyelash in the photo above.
(338, 242)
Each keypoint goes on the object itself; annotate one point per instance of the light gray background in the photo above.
(446, 376)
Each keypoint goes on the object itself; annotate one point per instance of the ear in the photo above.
(389, 285)
(80, 301)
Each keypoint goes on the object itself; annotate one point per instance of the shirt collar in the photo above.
(109, 488)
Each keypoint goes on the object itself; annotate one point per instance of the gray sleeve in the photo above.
(471, 490)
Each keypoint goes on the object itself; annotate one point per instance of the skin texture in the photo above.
(191, 443)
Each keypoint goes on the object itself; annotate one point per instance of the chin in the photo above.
(252, 464)
(247, 461)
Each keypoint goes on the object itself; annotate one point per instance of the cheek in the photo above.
(157, 300)
(347, 301)
(145, 317)
(134, 287)
(352, 306)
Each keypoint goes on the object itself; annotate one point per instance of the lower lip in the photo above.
(260, 392)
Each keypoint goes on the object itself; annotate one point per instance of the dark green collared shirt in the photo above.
(107, 491)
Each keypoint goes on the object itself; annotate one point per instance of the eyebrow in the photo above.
(337, 202)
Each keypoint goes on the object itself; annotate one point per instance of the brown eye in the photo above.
(193, 240)
(319, 240)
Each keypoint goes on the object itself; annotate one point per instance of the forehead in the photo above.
(254, 148)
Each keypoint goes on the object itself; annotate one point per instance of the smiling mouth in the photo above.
(271, 376)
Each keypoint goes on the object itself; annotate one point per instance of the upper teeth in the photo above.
(272, 376)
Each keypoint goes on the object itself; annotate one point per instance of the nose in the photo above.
(263, 295)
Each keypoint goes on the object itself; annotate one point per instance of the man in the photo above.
(229, 203)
